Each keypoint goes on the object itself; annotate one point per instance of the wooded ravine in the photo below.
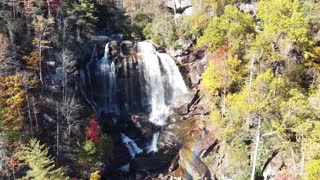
(162, 89)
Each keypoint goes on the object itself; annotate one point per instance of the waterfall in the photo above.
(146, 82)
(131, 145)
(163, 81)
(153, 146)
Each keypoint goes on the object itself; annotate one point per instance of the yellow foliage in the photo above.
(212, 79)
(220, 74)
(32, 60)
(313, 170)
(42, 27)
(95, 176)
(12, 100)
(313, 58)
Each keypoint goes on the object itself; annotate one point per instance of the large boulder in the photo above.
(120, 157)
(192, 66)
(272, 166)
(196, 55)
(196, 71)
(180, 6)
(184, 102)
(193, 165)
(143, 125)
(198, 143)
(248, 7)
(149, 163)
(128, 48)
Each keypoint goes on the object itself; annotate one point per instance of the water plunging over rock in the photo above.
(132, 87)
(142, 82)
(131, 145)
(164, 82)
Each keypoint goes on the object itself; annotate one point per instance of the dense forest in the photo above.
(255, 106)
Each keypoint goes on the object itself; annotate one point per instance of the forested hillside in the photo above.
(252, 110)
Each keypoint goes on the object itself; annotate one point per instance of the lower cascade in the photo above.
(134, 81)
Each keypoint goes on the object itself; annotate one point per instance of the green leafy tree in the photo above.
(232, 27)
(274, 108)
(42, 166)
(161, 30)
(311, 9)
(83, 15)
(287, 21)
(313, 170)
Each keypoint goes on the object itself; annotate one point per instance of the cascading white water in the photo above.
(131, 145)
(153, 146)
(148, 82)
(163, 81)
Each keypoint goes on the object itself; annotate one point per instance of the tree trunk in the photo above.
(256, 151)
(302, 165)
(29, 113)
(252, 60)
(40, 61)
(78, 35)
(293, 159)
(223, 105)
(35, 113)
(175, 12)
(57, 135)
(225, 82)
(49, 10)
(10, 30)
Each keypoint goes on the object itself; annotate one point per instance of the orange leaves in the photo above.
(14, 164)
(220, 53)
(28, 6)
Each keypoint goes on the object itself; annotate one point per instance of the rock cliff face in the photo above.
(186, 135)
(182, 7)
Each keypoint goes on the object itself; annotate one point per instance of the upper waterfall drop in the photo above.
(163, 81)
(145, 81)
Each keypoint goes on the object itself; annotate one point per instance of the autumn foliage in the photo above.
(32, 60)
(30, 6)
(54, 4)
(93, 131)
(12, 99)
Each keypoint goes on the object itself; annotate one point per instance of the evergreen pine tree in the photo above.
(41, 164)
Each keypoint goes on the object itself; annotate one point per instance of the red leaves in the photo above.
(54, 4)
(221, 53)
(14, 164)
(30, 6)
(93, 131)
